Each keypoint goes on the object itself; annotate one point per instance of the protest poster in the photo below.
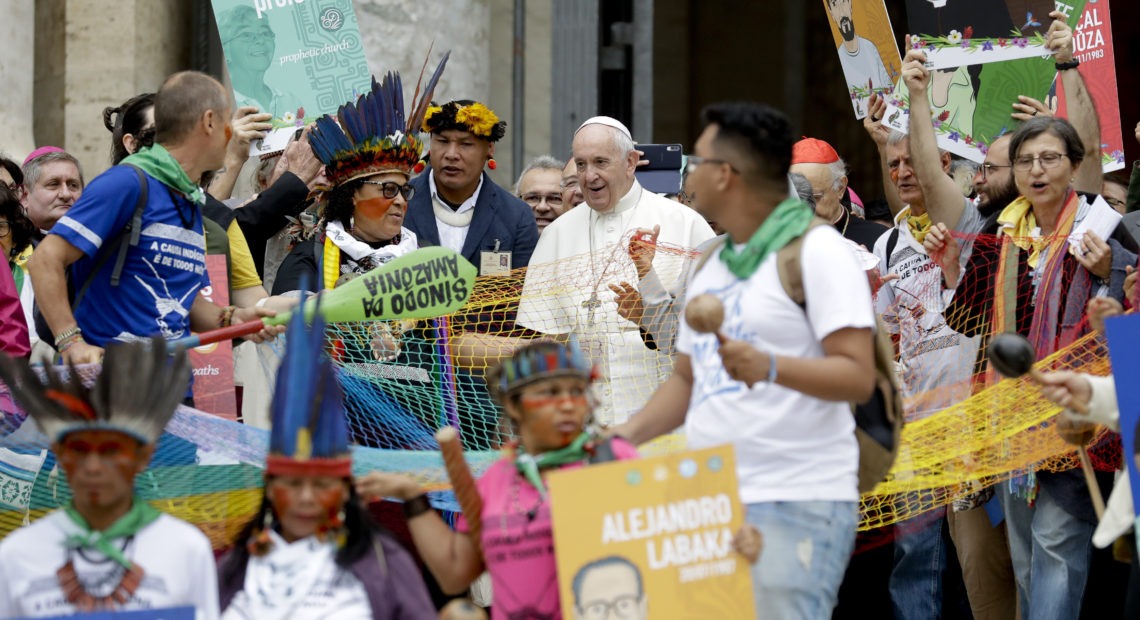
(971, 104)
(213, 364)
(1122, 333)
(1092, 44)
(294, 59)
(959, 33)
(663, 522)
(866, 46)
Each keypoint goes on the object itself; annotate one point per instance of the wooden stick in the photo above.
(462, 482)
(1082, 453)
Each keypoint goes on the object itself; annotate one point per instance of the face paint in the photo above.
(306, 505)
(100, 466)
(373, 208)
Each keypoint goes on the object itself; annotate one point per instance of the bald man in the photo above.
(144, 280)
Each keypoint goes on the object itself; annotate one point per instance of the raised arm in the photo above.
(944, 200)
(248, 125)
(880, 134)
(450, 556)
(1082, 110)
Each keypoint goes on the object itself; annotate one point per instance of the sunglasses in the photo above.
(389, 189)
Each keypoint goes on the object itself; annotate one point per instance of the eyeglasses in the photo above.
(623, 607)
(1115, 203)
(986, 169)
(1048, 161)
(533, 199)
(389, 189)
(695, 161)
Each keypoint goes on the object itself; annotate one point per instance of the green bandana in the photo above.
(139, 516)
(160, 164)
(789, 220)
(530, 466)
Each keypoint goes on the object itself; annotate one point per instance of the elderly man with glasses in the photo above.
(540, 187)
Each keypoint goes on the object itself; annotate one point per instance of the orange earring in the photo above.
(491, 163)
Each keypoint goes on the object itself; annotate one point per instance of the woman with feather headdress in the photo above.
(312, 551)
(369, 151)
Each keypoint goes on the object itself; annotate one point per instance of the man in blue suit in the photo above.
(456, 205)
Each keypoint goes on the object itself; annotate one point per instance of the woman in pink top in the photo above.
(544, 392)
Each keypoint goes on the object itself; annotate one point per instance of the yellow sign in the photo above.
(651, 538)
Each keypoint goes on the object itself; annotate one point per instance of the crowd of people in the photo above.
(107, 272)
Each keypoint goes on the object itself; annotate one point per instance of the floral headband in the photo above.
(465, 115)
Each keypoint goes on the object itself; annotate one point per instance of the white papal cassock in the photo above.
(566, 289)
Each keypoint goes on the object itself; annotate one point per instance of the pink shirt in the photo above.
(13, 327)
(518, 544)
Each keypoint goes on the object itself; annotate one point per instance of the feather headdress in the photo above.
(136, 393)
(371, 135)
(544, 360)
(309, 436)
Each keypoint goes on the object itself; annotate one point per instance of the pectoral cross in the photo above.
(592, 304)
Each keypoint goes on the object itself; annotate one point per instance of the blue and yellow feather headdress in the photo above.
(371, 135)
(309, 436)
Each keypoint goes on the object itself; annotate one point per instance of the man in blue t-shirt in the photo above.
(164, 266)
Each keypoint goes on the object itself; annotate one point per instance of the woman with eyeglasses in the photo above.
(1042, 259)
(363, 227)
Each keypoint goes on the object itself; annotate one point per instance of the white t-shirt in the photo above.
(176, 558)
(789, 446)
(935, 362)
(865, 64)
(299, 581)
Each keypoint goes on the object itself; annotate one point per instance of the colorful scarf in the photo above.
(530, 465)
(1043, 333)
(789, 220)
(138, 517)
(157, 162)
(1017, 223)
(919, 225)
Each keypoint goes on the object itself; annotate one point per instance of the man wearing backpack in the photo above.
(135, 235)
(777, 379)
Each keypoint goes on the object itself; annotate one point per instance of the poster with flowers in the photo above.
(867, 49)
(296, 60)
(971, 103)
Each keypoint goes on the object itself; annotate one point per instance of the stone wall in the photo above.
(90, 54)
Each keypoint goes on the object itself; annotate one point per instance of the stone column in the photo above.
(17, 66)
(115, 49)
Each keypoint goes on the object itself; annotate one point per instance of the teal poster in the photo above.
(296, 59)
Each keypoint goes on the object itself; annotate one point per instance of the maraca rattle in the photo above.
(1013, 356)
